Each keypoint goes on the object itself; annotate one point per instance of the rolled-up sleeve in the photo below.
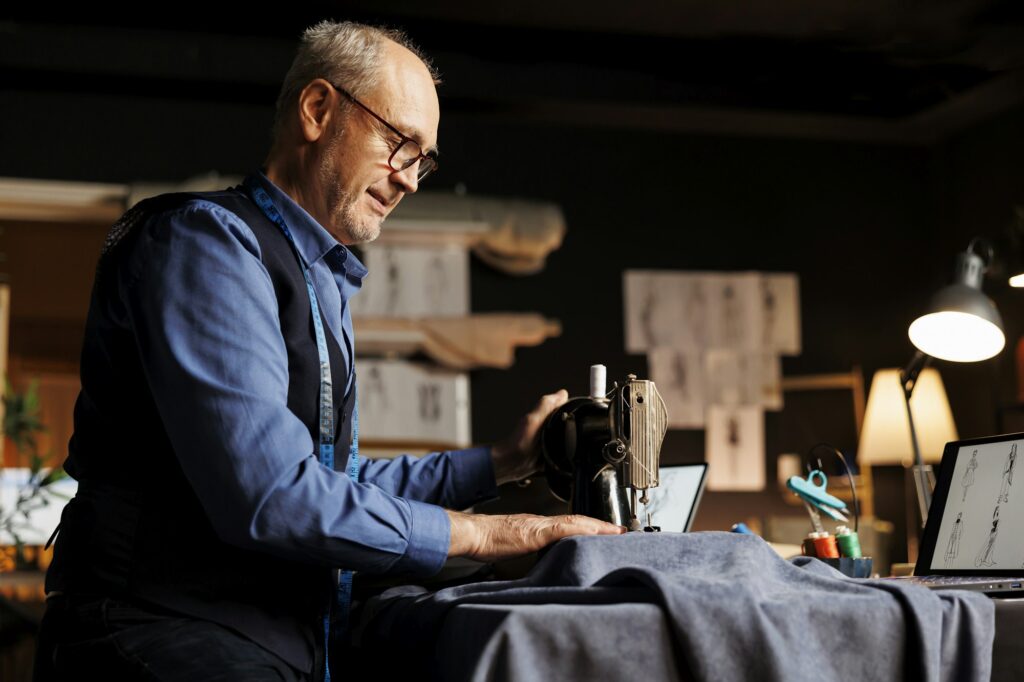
(205, 316)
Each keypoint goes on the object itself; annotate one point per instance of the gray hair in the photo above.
(346, 53)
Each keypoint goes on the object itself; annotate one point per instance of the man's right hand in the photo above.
(487, 537)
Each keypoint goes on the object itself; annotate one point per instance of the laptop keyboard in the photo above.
(963, 579)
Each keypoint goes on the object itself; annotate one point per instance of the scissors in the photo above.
(812, 491)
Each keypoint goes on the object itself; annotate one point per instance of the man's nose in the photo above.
(407, 178)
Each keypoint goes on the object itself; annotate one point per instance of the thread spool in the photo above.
(825, 547)
(808, 546)
(849, 543)
(598, 381)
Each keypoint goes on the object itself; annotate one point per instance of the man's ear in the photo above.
(316, 106)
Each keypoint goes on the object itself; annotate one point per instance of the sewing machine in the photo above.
(596, 447)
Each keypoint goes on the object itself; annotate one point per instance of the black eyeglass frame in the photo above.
(430, 157)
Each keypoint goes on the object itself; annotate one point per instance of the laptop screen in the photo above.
(977, 514)
(673, 504)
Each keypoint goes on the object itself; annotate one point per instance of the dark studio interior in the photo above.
(859, 146)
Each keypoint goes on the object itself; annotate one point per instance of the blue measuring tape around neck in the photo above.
(343, 596)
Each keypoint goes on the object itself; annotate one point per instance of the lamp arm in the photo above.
(908, 378)
(913, 369)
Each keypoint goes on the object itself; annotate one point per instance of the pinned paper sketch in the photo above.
(654, 313)
(738, 378)
(735, 448)
(712, 337)
(429, 402)
(701, 310)
(732, 378)
(373, 392)
(780, 313)
(414, 281)
(734, 314)
(419, 402)
(695, 333)
(679, 376)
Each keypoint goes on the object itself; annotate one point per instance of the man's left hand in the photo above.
(518, 456)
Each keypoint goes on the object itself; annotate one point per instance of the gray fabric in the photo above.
(495, 642)
(735, 610)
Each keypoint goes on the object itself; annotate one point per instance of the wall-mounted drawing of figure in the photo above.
(968, 479)
(984, 557)
(375, 395)
(436, 284)
(732, 322)
(1011, 462)
(647, 317)
(651, 313)
(768, 311)
(679, 376)
(394, 282)
(953, 546)
(430, 402)
(734, 444)
(695, 314)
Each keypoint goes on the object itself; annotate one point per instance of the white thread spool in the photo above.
(598, 381)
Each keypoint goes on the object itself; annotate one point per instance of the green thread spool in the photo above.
(849, 545)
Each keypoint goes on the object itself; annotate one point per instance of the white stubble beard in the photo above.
(342, 207)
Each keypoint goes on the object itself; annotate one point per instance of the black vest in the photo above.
(136, 529)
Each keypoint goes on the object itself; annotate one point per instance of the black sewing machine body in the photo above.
(598, 451)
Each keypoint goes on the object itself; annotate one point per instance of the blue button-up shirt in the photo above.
(205, 314)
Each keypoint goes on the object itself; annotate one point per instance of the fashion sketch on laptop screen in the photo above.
(982, 520)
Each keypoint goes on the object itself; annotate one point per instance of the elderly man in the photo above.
(217, 383)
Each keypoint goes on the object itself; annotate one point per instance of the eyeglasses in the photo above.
(408, 151)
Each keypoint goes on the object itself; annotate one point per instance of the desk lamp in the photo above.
(960, 325)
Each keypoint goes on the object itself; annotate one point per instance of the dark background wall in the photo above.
(798, 158)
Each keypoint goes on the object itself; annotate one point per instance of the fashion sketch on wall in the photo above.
(715, 339)
(781, 313)
(413, 282)
(374, 395)
(735, 316)
(735, 448)
(412, 402)
(655, 305)
(679, 376)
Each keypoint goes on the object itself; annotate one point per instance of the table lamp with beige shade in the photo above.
(885, 438)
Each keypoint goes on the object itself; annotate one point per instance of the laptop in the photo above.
(974, 536)
(673, 504)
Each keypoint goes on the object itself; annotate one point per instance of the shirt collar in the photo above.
(311, 239)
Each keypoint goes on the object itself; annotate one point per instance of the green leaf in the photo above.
(55, 474)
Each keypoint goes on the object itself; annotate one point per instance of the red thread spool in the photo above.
(808, 546)
(826, 547)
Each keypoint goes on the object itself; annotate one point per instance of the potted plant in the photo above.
(21, 425)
